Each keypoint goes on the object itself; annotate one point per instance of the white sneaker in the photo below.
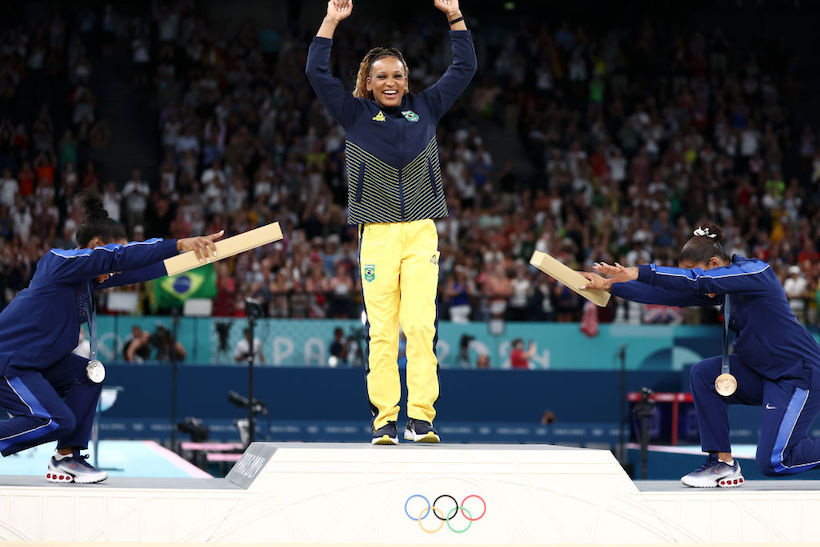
(714, 474)
(74, 468)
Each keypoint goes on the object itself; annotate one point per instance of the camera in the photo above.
(195, 428)
(646, 393)
(161, 337)
(258, 406)
(253, 308)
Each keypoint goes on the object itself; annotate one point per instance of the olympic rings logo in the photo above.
(445, 517)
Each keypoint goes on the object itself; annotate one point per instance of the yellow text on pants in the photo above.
(398, 263)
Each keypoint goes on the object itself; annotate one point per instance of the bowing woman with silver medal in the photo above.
(776, 363)
(49, 392)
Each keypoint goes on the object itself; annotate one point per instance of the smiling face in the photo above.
(387, 81)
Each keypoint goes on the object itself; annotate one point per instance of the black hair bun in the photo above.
(714, 232)
(93, 206)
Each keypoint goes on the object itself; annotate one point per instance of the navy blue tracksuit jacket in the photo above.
(393, 169)
(44, 386)
(776, 360)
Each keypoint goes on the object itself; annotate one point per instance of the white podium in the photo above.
(322, 494)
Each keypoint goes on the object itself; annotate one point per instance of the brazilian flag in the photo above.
(174, 290)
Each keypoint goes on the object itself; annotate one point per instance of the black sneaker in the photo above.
(386, 434)
(420, 431)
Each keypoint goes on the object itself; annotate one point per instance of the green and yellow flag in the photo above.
(174, 290)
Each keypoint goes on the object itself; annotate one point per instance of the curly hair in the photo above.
(367, 65)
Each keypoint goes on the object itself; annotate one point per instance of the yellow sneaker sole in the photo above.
(385, 440)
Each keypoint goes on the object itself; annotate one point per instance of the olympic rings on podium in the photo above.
(425, 501)
(452, 513)
(436, 503)
(440, 524)
(478, 498)
(445, 518)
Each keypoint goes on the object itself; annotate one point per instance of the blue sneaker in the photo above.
(713, 474)
(74, 468)
(386, 434)
(420, 431)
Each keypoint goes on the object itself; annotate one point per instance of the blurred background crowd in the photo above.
(604, 136)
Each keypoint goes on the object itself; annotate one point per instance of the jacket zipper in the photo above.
(401, 182)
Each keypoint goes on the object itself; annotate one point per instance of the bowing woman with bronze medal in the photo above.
(775, 365)
(49, 392)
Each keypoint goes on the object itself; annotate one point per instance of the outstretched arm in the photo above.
(637, 291)
(748, 277)
(455, 80)
(203, 246)
(66, 266)
(329, 88)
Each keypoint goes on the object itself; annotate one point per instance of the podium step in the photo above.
(321, 494)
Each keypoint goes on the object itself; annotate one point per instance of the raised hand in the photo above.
(339, 9)
(203, 246)
(617, 273)
(447, 6)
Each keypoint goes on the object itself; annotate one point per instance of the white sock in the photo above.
(730, 462)
(58, 456)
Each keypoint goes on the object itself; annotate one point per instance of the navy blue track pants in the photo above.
(787, 413)
(56, 403)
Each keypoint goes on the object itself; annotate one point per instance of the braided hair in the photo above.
(706, 242)
(367, 65)
(97, 222)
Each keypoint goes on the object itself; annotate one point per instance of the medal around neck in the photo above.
(726, 384)
(95, 371)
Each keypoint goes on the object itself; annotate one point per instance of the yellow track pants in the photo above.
(398, 263)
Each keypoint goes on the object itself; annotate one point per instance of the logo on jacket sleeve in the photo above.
(369, 272)
(379, 117)
(410, 115)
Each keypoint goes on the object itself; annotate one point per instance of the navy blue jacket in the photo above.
(393, 168)
(42, 323)
(770, 340)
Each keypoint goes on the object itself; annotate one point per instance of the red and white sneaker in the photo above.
(714, 474)
(74, 468)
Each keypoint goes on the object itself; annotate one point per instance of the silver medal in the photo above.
(95, 371)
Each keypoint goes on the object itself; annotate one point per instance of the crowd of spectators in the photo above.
(47, 129)
(635, 136)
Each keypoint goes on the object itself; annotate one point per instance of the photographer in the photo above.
(167, 348)
(338, 349)
(464, 350)
(520, 359)
(137, 347)
(243, 347)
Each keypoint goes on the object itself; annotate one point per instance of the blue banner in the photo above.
(559, 346)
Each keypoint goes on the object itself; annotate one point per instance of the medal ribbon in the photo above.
(91, 317)
(724, 367)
